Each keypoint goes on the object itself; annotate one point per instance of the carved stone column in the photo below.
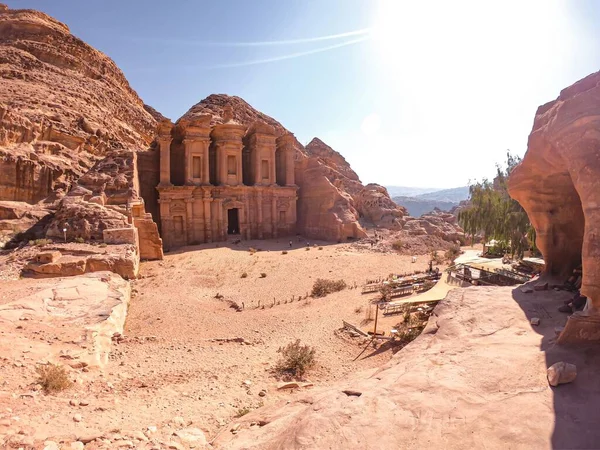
(274, 217)
(207, 220)
(165, 221)
(289, 167)
(259, 207)
(164, 141)
(189, 213)
(286, 145)
(206, 165)
(165, 160)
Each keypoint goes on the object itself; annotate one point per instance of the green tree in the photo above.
(493, 214)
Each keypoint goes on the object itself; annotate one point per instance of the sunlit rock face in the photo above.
(558, 183)
(63, 105)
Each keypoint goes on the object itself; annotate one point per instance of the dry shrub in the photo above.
(307, 248)
(252, 250)
(284, 252)
(242, 411)
(436, 257)
(358, 309)
(320, 248)
(52, 378)
(397, 245)
(40, 242)
(263, 275)
(322, 287)
(244, 275)
(452, 253)
(295, 359)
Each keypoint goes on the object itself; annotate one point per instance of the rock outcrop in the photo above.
(435, 223)
(375, 205)
(69, 121)
(558, 184)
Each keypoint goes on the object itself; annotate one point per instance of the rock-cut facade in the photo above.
(224, 180)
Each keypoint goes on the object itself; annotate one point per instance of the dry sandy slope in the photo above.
(476, 378)
(180, 375)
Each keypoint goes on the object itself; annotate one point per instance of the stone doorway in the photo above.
(233, 221)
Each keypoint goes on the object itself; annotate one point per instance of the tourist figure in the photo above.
(290, 243)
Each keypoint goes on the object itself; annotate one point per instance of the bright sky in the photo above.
(412, 93)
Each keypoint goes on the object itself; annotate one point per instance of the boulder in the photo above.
(561, 373)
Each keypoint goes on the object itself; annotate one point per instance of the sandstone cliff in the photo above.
(67, 116)
(558, 183)
(64, 105)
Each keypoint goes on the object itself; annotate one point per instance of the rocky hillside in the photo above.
(63, 106)
(70, 127)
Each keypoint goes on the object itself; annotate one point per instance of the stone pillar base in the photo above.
(580, 328)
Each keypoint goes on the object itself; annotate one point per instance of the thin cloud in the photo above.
(259, 61)
(289, 56)
(362, 32)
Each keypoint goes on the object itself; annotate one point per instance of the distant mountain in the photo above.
(406, 191)
(444, 199)
(417, 207)
(455, 195)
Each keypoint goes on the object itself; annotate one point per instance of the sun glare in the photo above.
(457, 36)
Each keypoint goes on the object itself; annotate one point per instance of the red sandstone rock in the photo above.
(558, 184)
(374, 204)
(64, 104)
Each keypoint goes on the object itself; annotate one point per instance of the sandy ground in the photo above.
(170, 372)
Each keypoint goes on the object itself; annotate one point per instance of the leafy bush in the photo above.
(102, 245)
(296, 359)
(79, 240)
(397, 245)
(322, 287)
(52, 378)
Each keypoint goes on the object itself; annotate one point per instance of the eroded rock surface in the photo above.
(64, 105)
(79, 315)
(558, 184)
(69, 122)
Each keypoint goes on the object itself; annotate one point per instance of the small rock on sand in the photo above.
(535, 321)
(561, 372)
